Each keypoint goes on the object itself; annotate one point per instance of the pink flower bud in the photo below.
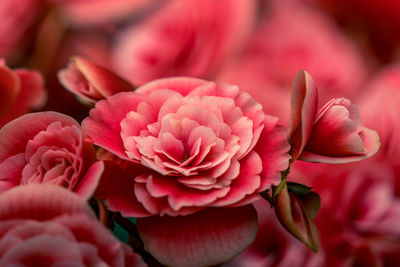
(334, 135)
(295, 213)
(91, 82)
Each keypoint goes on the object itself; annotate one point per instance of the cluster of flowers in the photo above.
(179, 102)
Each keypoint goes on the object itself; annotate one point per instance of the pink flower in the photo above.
(20, 91)
(45, 225)
(202, 144)
(291, 37)
(334, 134)
(199, 144)
(184, 38)
(380, 108)
(358, 221)
(91, 82)
(47, 147)
(17, 18)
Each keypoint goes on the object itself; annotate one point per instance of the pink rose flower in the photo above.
(291, 37)
(199, 145)
(20, 91)
(358, 221)
(45, 225)
(202, 144)
(333, 135)
(47, 147)
(184, 38)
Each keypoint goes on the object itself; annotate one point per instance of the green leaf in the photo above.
(298, 189)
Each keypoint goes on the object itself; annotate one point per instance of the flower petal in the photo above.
(303, 112)
(209, 237)
(40, 201)
(90, 81)
(14, 141)
(89, 182)
(103, 125)
(9, 89)
(116, 187)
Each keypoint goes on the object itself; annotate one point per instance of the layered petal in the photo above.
(48, 147)
(200, 144)
(46, 224)
(210, 237)
(338, 135)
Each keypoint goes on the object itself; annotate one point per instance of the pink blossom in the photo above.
(291, 37)
(184, 38)
(202, 144)
(358, 221)
(380, 109)
(17, 18)
(333, 135)
(47, 147)
(189, 145)
(20, 91)
(45, 225)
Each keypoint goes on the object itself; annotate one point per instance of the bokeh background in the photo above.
(351, 48)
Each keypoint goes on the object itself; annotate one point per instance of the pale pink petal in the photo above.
(335, 134)
(273, 150)
(208, 140)
(246, 183)
(33, 201)
(90, 81)
(371, 146)
(198, 182)
(209, 237)
(170, 147)
(88, 183)
(231, 174)
(180, 196)
(14, 141)
(103, 125)
(303, 112)
(253, 110)
(182, 85)
(153, 205)
(215, 89)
